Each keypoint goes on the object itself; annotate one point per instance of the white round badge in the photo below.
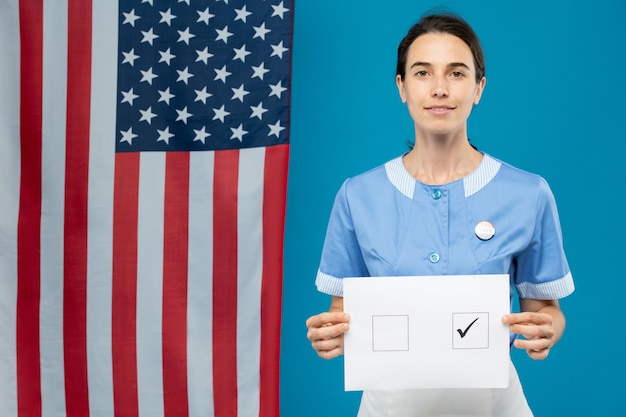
(485, 230)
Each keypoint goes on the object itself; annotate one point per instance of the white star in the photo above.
(183, 115)
(166, 96)
(277, 89)
(185, 36)
(166, 56)
(148, 76)
(128, 136)
(202, 95)
(130, 18)
(147, 1)
(279, 10)
(259, 71)
(165, 135)
(260, 31)
(204, 55)
(241, 53)
(239, 93)
(238, 132)
(184, 1)
(184, 75)
(147, 115)
(148, 36)
(225, 1)
(221, 74)
(242, 14)
(220, 113)
(279, 50)
(129, 96)
(275, 129)
(223, 34)
(167, 17)
(205, 16)
(257, 111)
(130, 57)
(201, 135)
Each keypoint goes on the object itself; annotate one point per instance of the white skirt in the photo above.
(505, 402)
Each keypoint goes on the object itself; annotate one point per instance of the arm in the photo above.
(542, 324)
(325, 330)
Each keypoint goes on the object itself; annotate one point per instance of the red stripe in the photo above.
(175, 266)
(124, 303)
(274, 203)
(29, 216)
(75, 220)
(225, 283)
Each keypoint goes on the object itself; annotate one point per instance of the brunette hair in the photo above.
(442, 22)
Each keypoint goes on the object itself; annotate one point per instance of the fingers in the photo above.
(537, 330)
(527, 318)
(323, 319)
(538, 349)
(325, 331)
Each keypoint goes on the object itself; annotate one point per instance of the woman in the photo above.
(420, 214)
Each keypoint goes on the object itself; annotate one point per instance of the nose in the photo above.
(440, 88)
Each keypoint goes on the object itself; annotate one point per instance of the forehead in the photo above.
(440, 49)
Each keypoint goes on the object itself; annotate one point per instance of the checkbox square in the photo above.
(390, 333)
(470, 330)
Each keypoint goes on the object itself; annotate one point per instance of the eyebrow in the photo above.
(450, 65)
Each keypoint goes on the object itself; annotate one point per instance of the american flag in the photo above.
(143, 166)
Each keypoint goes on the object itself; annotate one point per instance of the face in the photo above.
(440, 85)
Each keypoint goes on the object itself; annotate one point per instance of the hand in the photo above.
(536, 328)
(326, 332)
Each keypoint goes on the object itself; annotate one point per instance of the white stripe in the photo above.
(481, 176)
(551, 290)
(150, 284)
(200, 285)
(249, 271)
(52, 206)
(100, 214)
(399, 177)
(9, 190)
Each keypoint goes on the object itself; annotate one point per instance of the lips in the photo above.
(440, 108)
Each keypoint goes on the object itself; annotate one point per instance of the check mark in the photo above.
(462, 333)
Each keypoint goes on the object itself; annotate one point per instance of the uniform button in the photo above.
(434, 257)
(436, 194)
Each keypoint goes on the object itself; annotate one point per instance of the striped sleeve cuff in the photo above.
(551, 290)
(328, 284)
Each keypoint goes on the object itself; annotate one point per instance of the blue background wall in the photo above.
(555, 104)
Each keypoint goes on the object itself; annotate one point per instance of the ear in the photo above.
(480, 87)
(400, 85)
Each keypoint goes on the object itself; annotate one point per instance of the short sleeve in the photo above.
(542, 271)
(341, 253)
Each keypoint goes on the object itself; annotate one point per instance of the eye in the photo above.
(421, 74)
(457, 74)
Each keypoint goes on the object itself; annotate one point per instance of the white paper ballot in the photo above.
(426, 332)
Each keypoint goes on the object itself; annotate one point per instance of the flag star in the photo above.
(166, 56)
(202, 95)
(130, 57)
(130, 18)
(275, 129)
(260, 31)
(279, 10)
(238, 132)
(184, 75)
(185, 36)
(225, 1)
(221, 74)
(167, 17)
(128, 136)
(147, 115)
(277, 89)
(257, 111)
(147, 1)
(223, 34)
(129, 96)
(239, 93)
(201, 135)
(148, 76)
(166, 96)
(204, 55)
(220, 113)
(149, 36)
(184, 1)
(259, 71)
(242, 14)
(183, 115)
(165, 135)
(205, 16)
(241, 53)
(279, 50)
